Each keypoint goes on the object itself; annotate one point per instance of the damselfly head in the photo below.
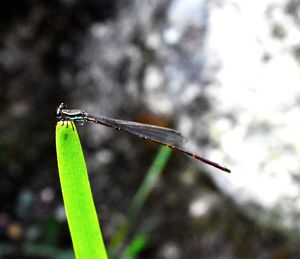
(59, 114)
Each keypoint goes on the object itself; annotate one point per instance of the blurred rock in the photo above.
(256, 94)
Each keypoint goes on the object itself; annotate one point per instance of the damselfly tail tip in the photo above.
(224, 169)
(227, 170)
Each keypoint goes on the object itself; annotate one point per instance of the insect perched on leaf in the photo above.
(164, 136)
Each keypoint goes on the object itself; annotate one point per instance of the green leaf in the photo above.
(78, 200)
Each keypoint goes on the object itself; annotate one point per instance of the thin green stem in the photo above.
(139, 199)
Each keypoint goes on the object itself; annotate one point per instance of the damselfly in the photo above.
(164, 136)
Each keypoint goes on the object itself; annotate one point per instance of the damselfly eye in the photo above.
(58, 113)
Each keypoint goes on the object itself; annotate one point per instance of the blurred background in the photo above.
(224, 73)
